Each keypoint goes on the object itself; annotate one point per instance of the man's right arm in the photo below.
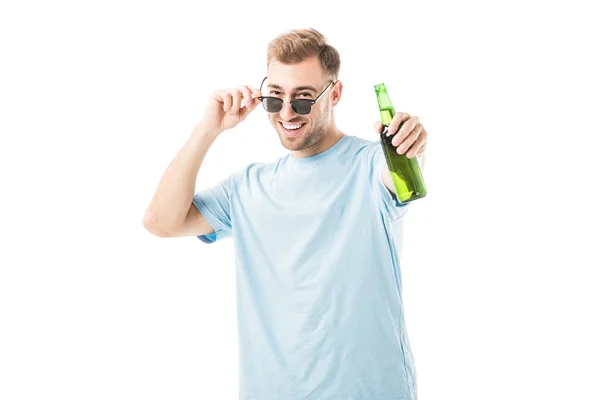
(171, 211)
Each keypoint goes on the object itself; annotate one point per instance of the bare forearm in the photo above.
(175, 191)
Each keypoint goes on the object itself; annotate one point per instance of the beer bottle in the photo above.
(406, 172)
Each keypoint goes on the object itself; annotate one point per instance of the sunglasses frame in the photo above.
(311, 102)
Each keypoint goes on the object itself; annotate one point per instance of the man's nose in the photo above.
(287, 112)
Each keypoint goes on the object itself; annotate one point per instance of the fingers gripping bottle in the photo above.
(406, 172)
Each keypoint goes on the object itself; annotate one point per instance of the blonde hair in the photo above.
(299, 44)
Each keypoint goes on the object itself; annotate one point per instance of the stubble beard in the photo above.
(311, 138)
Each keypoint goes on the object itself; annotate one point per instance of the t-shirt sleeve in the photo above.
(215, 205)
(389, 204)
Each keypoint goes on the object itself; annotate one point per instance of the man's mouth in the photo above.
(292, 130)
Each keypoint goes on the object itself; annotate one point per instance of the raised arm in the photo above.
(171, 211)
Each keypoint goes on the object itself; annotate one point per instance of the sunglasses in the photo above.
(300, 106)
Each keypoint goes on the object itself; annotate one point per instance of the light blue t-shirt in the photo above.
(319, 292)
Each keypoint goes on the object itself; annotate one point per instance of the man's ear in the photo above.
(336, 93)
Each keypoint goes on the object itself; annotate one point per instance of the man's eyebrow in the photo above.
(296, 89)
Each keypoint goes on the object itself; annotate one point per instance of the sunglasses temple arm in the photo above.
(262, 83)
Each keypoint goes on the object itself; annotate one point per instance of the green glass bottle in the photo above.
(406, 172)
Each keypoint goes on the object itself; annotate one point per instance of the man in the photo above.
(320, 312)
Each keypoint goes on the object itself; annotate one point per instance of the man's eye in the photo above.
(304, 95)
(275, 92)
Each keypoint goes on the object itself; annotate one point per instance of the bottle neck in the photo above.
(387, 113)
(385, 106)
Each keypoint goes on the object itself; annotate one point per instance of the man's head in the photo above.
(301, 65)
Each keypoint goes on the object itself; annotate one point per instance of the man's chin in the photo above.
(291, 143)
(296, 143)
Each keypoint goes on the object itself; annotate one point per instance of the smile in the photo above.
(292, 130)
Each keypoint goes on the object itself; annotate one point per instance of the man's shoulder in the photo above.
(359, 142)
(359, 146)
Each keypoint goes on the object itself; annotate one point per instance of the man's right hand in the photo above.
(224, 110)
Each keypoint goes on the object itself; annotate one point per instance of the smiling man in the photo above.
(291, 122)
(320, 313)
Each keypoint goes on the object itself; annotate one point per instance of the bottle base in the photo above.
(413, 198)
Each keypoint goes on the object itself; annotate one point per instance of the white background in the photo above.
(500, 260)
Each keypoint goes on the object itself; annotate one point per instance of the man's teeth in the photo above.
(291, 127)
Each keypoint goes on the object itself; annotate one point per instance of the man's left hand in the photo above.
(410, 139)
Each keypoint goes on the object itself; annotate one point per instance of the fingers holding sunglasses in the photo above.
(232, 99)
(229, 107)
(247, 96)
(250, 102)
(250, 95)
(223, 96)
(236, 104)
(255, 91)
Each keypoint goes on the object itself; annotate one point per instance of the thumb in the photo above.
(378, 127)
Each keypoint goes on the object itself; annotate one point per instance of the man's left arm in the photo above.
(410, 139)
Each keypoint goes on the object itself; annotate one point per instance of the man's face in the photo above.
(304, 80)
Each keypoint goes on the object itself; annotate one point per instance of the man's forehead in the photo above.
(307, 75)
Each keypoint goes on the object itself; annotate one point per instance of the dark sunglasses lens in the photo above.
(272, 105)
(301, 106)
